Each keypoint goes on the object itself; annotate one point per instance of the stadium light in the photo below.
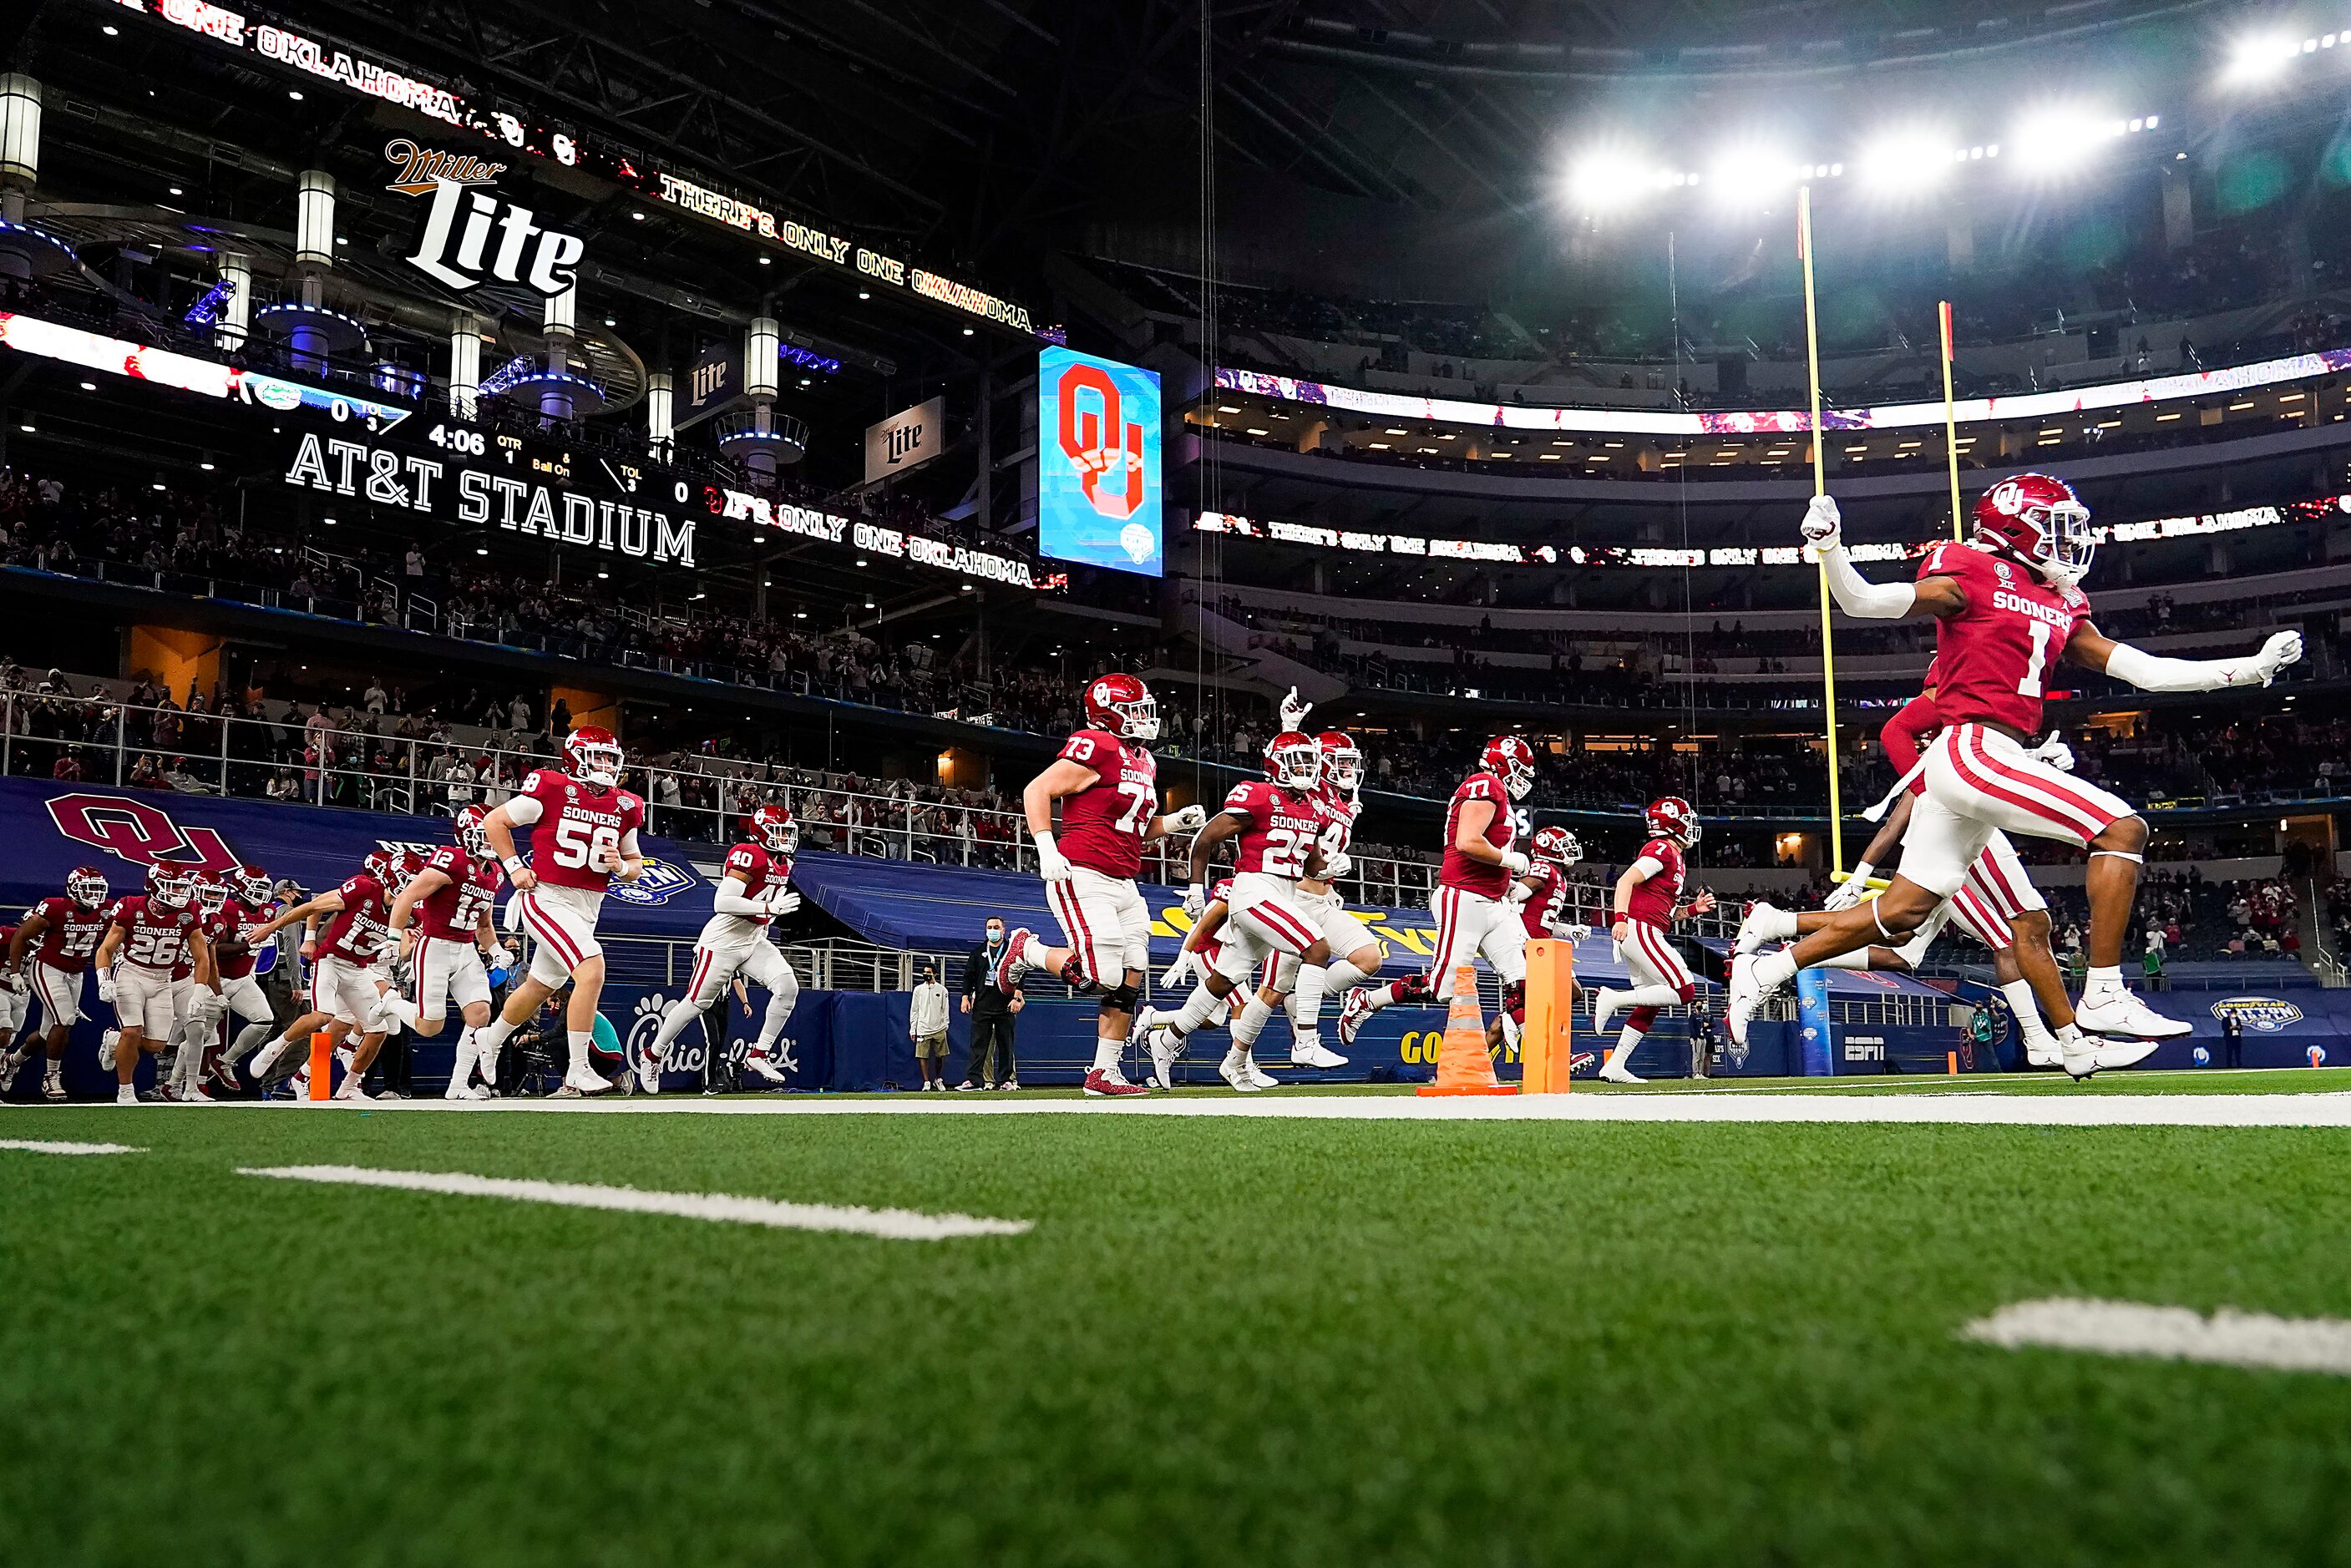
(2058, 140)
(2259, 58)
(1750, 176)
(1611, 180)
(1906, 160)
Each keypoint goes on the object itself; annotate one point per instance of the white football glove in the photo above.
(1190, 819)
(1338, 864)
(1176, 970)
(1293, 711)
(1051, 863)
(1824, 528)
(782, 901)
(2282, 649)
(1515, 862)
(1852, 890)
(106, 985)
(2054, 752)
(1519, 893)
(1196, 899)
(1571, 933)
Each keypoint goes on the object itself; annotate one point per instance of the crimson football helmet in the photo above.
(380, 862)
(1293, 760)
(2038, 519)
(1670, 817)
(466, 827)
(171, 886)
(774, 830)
(210, 892)
(1558, 846)
(1124, 705)
(252, 884)
(1512, 761)
(86, 886)
(1342, 760)
(592, 755)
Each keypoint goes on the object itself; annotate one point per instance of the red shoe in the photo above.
(1008, 965)
(1101, 1086)
(1353, 1014)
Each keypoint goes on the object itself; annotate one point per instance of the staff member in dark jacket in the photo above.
(993, 1066)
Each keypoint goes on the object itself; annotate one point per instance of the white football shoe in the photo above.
(649, 1071)
(1233, 1070)
(1258, 1076)
(1620, 1074)
(2120, 1011)
(10, 1066)
(1605, 1004)
(758, 1066)
(583, 1082)
(2043, 1050)
(1746, 996)
(1315, 1053)
(1764, 923)
(1164, 1048)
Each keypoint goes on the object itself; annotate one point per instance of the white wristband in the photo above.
(513, 863)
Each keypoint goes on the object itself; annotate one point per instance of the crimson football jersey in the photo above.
(576, 823)
(1459, 870)
(155, 937)
(357, 932)
(1654, 899)
(229, 920)
(453, 913)
(1282, 828)
(1992, 659)
(758, 870)
(1904, 735)
(1548, 906)
(69, 933)
(1339, 815)
(1104, 824)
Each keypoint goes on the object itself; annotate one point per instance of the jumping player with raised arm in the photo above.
(1278, 821)
(1106, 782)
(1648, 900)
(61, 934)
(2008, 606)
(1356, 954)
(753, 888)
(583, 835)
(1471, 903)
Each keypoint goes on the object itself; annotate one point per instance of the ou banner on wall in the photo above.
(1098, 469)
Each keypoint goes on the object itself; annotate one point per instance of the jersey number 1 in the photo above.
(2030, 685)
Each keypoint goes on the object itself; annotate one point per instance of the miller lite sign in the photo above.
(471, 235)
(906, 439)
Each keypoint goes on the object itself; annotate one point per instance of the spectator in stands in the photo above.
(993, 1065)
(927, 1026)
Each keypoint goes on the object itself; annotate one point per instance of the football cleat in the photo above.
(1620, 1074)
(1234, 1071)
(1315, 1053)
(1746, 996)
(584, 1081)
(649, 1071)
(1257, 1076)
(53, 1087)
(1353, 1012)
(2043, 1050)
(10, 1066)
(2122, 1013)
(1764, 923)
(1009, 967)
(758, 1066)
(1165, 1049)
(124, 1095)
(1605, 1002)
(1102, 1085)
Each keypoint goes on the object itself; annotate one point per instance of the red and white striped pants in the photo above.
(1978, 781)
(1470, 925)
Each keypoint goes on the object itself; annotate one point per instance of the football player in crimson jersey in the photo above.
(1107, 784)
(1997, 905)
(344, 995)
(1280, 822)
(1196, 959)
(147, 935)
(61, 933)
(2008, 605)
(1648, 900)
(1471, 903)
(583, 835)
(752, 890)
(250, 900)
(442, 913)
(1541, 897)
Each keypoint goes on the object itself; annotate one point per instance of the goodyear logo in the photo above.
(662, 882)
(2267, 1013)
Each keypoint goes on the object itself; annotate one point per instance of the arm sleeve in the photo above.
(629, 845)
(729, 898)
(1647, 866)
(522, 810)
(1857, 596)
(2153, 672)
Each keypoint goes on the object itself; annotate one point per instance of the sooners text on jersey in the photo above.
(357, 933)
(1992, 659)
(1459, 870)
(453, 913)
(1102, 825)
(70, 934)
(578, 824)
(1654, 899)
(1282, 830)
(155, 937)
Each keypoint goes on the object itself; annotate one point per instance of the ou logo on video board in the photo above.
(1098, 494)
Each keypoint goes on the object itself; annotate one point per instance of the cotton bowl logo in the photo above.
(1138, 542)
(660, 884)
(2266, 1014)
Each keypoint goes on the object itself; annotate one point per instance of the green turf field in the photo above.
(1222, 1340)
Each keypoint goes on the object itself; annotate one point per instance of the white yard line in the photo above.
(48, 1146)
(2227, 1338)
(891, 1224)
(2053, 1110)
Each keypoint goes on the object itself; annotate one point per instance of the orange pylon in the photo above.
(1462, 1065)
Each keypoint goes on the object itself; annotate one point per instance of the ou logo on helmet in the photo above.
(2007, 498)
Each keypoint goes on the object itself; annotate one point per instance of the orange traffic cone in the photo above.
(1462, 1065)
